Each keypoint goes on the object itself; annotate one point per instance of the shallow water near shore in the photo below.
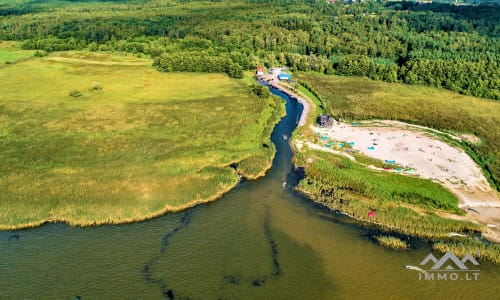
(259, 241)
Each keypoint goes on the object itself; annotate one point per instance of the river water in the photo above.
(259, 241)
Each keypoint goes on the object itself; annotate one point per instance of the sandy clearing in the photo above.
(412, 147)
(429, 157)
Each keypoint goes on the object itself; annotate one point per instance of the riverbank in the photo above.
(357, 169)
(132, 144)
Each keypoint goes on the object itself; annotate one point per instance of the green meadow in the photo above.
(352, 98)
(10, 52)
(93, 138)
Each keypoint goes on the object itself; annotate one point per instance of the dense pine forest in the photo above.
(452, 46)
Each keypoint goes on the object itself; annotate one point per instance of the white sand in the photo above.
(431, 158)
(427, 155)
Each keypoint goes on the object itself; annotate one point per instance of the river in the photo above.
(259, 241)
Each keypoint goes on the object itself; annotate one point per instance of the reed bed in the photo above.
(391, 242)
(146, 143)
(478, 249)
(404, 204)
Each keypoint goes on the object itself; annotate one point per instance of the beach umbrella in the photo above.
(371, 214)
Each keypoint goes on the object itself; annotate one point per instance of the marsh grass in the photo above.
(146, 143)
(317, 102)
(370, 161)
(353, 98)
(404, 204)
(478, 249)
(391, 242)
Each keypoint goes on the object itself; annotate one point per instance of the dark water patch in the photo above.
(272, 244)
(146, 270)
(14, 237)
(276, 267)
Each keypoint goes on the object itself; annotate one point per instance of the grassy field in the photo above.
(359, 98)
(11, 52)
(134, 144)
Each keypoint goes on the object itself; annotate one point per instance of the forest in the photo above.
(451, 46)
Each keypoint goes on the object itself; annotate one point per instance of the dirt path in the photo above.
(275, 83)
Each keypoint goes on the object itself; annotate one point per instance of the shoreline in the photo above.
(490, 226)
(452, 168)
(167, 208)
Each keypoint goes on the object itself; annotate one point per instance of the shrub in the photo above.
(75, 93)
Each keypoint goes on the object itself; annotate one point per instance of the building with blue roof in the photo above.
(284, 76)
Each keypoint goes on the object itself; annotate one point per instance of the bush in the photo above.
(96, 86)
(75, 93)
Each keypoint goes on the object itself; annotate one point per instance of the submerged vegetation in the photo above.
(134, 144)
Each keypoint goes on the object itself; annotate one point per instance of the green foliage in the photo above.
(469, 78)
(391, 242)
(261, 91)
(359, 98)
(10, 53)
(75, 93)
(342, 182)
(478, 249)
(312, 94)
(197, 62)
(346, 186)
(147, 143)
(354, 65)
(421, 45)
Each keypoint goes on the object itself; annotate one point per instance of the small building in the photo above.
(260, 71)
(325, 121)
(284, 76)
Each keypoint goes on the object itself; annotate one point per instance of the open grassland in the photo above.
(10, 52)
(359, 98)
(136, 142)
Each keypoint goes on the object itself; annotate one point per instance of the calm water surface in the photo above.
(260, 241)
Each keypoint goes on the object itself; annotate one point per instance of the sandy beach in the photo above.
(420, 152)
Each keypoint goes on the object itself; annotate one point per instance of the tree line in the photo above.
(440, 45)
